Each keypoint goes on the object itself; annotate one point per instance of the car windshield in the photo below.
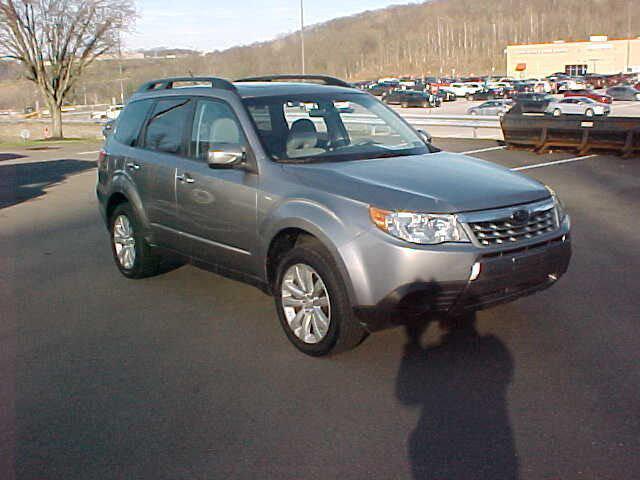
(331, 127)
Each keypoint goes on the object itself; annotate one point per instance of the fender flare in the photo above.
(318, 221)
(121, 184)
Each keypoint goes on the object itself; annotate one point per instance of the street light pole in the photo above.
(302, 35)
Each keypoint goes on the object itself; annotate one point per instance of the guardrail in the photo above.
(584, 134)
(474, 122)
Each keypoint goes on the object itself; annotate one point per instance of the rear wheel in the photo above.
(469, 97)
(404, 104)
(312, 302)
(132, 254)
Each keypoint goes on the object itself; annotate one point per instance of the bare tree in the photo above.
(56, 40)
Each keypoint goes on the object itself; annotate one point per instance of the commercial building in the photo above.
(599, 54)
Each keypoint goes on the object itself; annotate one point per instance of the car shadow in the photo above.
(460, 385)
(10, 156)
(25, 181)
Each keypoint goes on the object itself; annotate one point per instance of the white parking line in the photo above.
(557, 162)
(89, 153)
(483, 150)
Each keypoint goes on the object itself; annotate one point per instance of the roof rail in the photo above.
(167, 83)
(326, 79)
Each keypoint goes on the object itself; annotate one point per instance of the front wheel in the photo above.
(557, 112)
(588, 112)
(638, 97)
(312, 302)
(404, 104)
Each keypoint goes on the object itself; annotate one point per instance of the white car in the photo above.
(577, 106)
(113, 111)
(110, 113)
(571, 84)
(463, 89)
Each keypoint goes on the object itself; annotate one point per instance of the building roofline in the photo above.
(567, 42)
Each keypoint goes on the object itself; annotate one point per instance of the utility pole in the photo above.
(628, 35)
(302, 35)
(120, 68)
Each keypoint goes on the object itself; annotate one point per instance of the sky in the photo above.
(214, 24)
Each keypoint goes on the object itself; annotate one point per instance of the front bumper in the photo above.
(443, 282)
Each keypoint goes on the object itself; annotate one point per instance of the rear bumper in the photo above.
(504, 277)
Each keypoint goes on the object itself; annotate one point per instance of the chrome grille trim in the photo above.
(495, 228)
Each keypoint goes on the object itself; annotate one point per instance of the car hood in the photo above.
(438, 182)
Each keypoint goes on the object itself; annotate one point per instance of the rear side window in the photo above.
(165, 130)
(130, 122)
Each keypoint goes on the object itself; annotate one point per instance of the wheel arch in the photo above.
(287, 234)
(123, 190)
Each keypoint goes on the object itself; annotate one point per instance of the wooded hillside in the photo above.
(438, 37)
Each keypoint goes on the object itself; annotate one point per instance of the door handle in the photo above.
(185, 178)
(132, 166)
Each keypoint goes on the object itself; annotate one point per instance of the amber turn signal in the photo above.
(379, 217)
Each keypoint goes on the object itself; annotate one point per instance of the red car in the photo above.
(598, 97)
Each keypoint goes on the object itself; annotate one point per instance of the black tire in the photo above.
(146, 263)
(404, 105)
(469, 98)
(344, 332)
(588, 112)
(557, 112)
(425, 104)
(638, 97)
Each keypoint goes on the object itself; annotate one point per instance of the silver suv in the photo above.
(325, 198)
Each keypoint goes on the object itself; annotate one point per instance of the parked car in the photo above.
(598, 97)
(109, 113)
(492, 107)
(577, 106)
(571, 83)
(596, 81)
(522, 87)
(446, 95)
(532, 102)
(463, 89)
(623, 92)
(411, 98)
(351, 226)
(486, 94)
(113, 111)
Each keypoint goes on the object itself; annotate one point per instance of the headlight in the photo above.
(421, 228)
(558, 206)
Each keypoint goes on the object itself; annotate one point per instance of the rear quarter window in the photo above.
(130, 122)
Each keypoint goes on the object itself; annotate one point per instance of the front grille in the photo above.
(507, 231)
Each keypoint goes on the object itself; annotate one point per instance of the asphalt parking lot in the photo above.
(188, 375)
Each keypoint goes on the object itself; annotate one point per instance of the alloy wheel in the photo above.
(124, 242)
(306, 305)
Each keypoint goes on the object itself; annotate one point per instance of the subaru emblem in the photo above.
(520, 216)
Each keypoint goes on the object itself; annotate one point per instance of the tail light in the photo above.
(102, 158)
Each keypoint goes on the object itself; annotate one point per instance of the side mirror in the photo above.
(107, 129)
(425, 136)
(226, 155)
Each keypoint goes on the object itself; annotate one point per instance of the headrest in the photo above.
(224, 130)
(303, 135)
